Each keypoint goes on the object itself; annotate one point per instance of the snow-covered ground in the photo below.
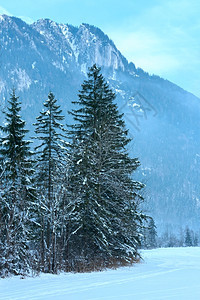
(170, 273)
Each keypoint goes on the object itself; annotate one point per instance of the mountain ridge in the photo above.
(161, 117)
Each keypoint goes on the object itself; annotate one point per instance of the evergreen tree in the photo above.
(196, 240)
(51, 163)
(152, 234)
(149, 235)
(17, 193)
(188, 238)
(103, 215)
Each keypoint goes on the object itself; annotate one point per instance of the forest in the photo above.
(70, 203)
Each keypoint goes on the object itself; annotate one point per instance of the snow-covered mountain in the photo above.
(163, 118)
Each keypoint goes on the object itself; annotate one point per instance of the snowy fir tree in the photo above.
(188, 238)
(104, 214)
(151, 238)
(50, 177)
(196, 240)
(17, 196)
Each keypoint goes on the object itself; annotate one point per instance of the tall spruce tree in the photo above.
(51, 163)
(104, 216)
(188, 238)
(150, 234)
(17, 193)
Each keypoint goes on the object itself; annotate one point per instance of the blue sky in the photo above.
(160, 36)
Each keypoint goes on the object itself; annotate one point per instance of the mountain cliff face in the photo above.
(162, 118)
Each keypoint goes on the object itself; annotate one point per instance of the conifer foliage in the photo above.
(51, 161)
(103, 212)
(76, 206)
(149, 240)
(17, 193)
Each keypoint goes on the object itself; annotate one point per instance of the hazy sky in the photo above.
(160, 36)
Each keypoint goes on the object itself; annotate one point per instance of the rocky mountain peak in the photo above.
(162, 118)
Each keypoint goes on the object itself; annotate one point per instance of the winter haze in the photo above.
(163, 119)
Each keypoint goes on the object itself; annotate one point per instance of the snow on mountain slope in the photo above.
(168, 273)
(84, 45)
(162, 118)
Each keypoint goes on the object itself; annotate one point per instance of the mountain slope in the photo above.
(163, 118)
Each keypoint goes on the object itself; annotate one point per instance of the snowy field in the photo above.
(170, 273)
